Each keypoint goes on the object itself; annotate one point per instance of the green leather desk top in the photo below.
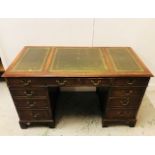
(32, 60)
(77, 61)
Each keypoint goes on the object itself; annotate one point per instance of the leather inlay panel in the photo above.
(33, 59)
(78, 60)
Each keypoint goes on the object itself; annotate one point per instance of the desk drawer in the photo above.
(130, 81)
(78, 81)
(30, 92)
(120, 113)
(34, 114)
(121, 92)
(95, 81)
(43, 82)
(25, 82)
(31, 103)
(124, 102)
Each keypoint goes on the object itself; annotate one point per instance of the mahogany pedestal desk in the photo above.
(37, 73)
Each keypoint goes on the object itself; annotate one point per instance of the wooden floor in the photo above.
(1, 68)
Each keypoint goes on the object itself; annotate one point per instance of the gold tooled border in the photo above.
(122, 70)
(21, 58)
(78, 71)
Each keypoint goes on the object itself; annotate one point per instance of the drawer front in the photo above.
(124, 102)
(25, 82)
(79, 81)
(119, 92)
(130, 81)
(96, 82)
(43, 82)
(121, 113)
(32, 103)
(29, 92)
(34, 114)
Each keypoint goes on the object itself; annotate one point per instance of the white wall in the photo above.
(137, 33)
(16, 33)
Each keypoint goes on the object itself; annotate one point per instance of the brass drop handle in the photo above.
(61, 83)
(129, 92)
(28, 93)
(125, 101)
(31, 104)
(95, 83)
(130, 82)
(26, 82)
(121, 113)
(36, 115)
(124, 113)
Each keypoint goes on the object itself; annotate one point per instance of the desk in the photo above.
(37, 73)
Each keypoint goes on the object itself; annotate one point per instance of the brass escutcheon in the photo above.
(61, 83)
(26, 82)
(28, 93)
(125, 101)
(131, 81)
(96, 83)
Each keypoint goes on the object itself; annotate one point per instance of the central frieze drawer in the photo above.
(79, 81)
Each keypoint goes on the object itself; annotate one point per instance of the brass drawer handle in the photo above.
(95, 83)
(129, 92)
(28, 93)
(130, 82)
(121, 113)
(125, 101)
(36, 115)
(124, 113)
(61, 83)
(31, 104)
(26, 82)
